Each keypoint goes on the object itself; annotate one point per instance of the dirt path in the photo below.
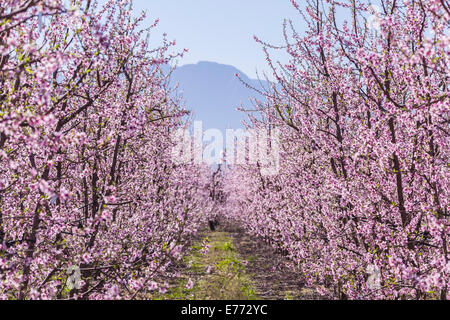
(270, 271)
(236, 267)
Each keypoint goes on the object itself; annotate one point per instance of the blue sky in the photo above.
(221, 31)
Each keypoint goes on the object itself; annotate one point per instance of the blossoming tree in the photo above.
(360, 203)
(86, 182)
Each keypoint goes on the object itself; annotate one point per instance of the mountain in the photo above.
(213, 92)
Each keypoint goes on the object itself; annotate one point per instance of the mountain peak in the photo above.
(213, 92)
(215, 67)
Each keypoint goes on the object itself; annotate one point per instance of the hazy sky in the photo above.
(221, 31)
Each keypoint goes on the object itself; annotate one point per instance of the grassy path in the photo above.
(235, 267)
(218, 273)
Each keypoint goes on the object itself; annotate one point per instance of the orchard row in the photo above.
(361, 200)
(86, 184)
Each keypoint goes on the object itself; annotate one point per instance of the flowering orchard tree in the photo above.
(86, 179)
(361, 200)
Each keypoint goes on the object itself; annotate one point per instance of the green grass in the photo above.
(227, 279)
